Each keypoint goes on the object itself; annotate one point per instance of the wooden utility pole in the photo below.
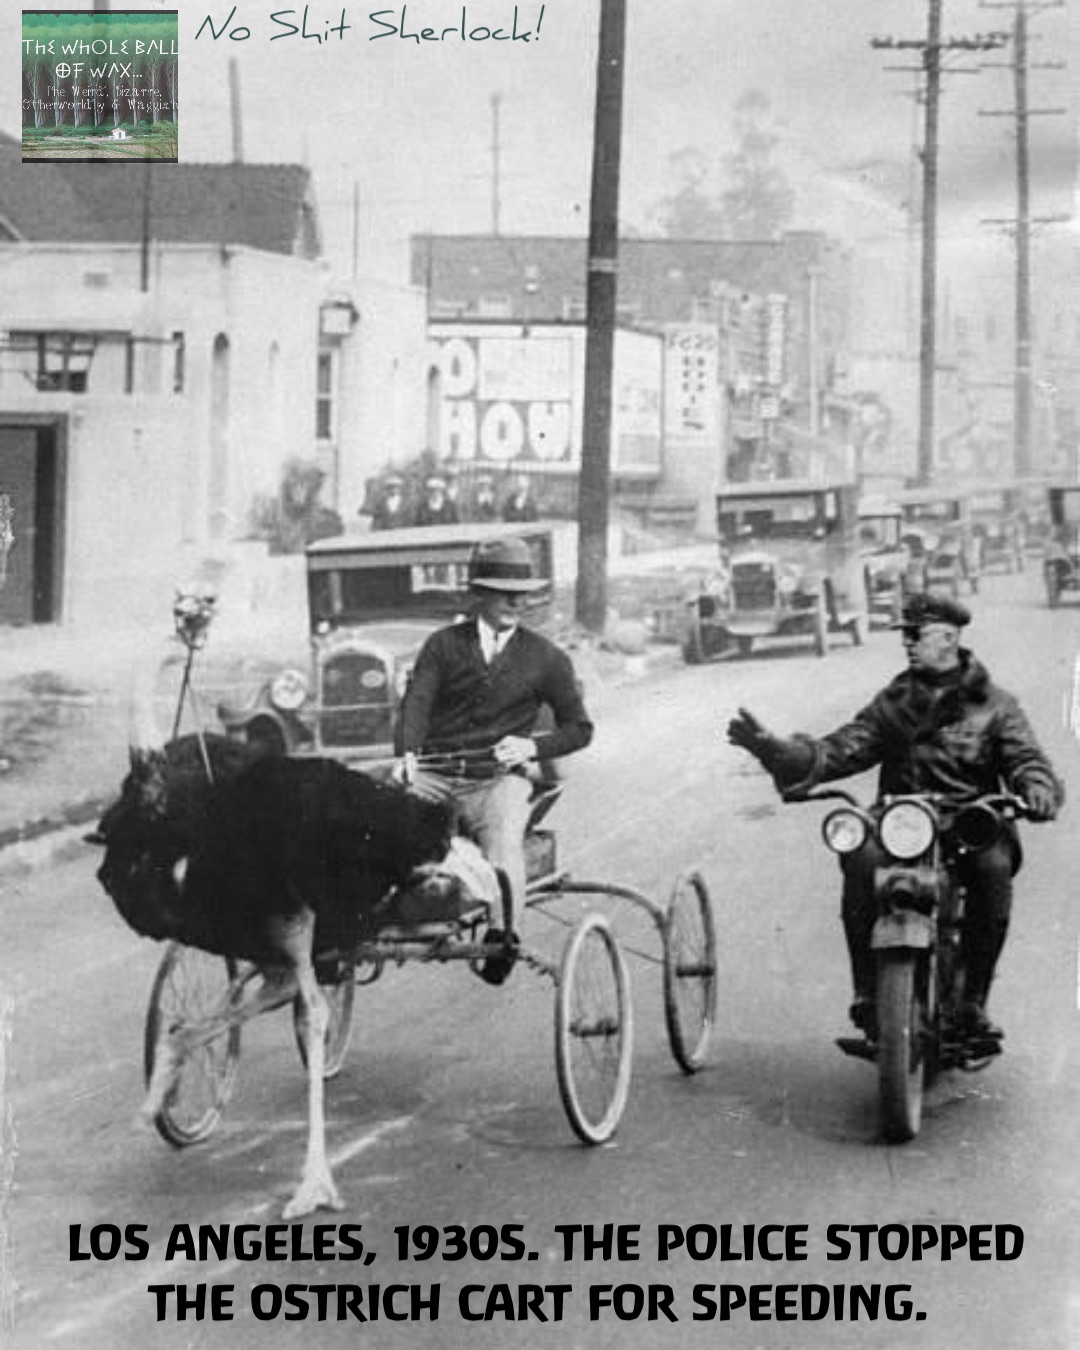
(601, 295)
(496, 150)
(932, 47)
(1022, 112)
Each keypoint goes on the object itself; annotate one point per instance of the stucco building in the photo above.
(169, 340)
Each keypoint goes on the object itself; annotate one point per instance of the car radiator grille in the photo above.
(753, 586)
(356, 706)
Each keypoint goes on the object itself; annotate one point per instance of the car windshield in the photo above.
(879, 532)
(805, 516)
(933, 512)
(406, 580)
(989, 504)
(411, 589)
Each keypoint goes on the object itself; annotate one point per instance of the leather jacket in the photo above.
(958, 734)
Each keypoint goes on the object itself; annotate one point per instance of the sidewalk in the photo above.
(65, 696)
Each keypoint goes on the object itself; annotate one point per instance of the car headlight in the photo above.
(844, 830)
(288, 690)
(907, 830)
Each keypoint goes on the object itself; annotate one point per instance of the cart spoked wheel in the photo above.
(593, 1030)
(689, 971)
(189, 985)
(340, 997)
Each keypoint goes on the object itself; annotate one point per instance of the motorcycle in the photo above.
(916, 938)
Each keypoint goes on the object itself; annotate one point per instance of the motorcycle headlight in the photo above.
(906, 830)
(288, 690)
(845, 830)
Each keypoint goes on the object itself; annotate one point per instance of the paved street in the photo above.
(447, 1110)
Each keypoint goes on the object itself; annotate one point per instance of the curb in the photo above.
(80, 811)
(49, 839)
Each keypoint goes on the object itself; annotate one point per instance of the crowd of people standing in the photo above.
(438, 502)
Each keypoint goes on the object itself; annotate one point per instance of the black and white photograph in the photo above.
(540, 675)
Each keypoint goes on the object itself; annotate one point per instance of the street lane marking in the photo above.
(94, 1311)
(369, 1140)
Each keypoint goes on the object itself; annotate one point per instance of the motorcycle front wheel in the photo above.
(901, 1058)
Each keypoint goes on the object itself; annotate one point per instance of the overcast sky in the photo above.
(411, 123)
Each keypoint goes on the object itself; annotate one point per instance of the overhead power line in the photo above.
(932, 49)
(1021, 112)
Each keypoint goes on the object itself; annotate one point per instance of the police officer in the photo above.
(941, 726)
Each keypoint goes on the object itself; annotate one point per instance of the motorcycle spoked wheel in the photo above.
(902, 1058)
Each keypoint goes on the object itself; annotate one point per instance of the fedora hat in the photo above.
(503, 565)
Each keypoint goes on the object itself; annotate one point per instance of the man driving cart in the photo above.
(942, 726)
(468, 724)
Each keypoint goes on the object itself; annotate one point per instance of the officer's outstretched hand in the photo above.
(747, 732)
(1041, 801)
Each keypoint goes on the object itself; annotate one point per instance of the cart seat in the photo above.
(434, 930)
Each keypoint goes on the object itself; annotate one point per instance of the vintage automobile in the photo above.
(790, 566)
(372, 601)
(1061, 561)
(953, 554)
(997, 523)
(891, 571)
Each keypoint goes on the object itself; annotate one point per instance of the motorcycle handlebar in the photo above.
(1006, 802)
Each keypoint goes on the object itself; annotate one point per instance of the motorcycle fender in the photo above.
(902, 929)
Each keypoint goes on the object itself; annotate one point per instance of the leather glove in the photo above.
(1041, 801)
(747, 733)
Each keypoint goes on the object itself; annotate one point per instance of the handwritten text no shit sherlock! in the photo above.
(387, 23)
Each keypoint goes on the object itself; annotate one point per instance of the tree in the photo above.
(689, 213)
(171, 73)
(759, 202)
(34, 72)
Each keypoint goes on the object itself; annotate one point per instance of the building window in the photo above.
(56, 362)
(179, 359)
(324, 397)
(493, 307)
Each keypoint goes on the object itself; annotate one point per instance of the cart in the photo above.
(593, 1042)
(593, 1020)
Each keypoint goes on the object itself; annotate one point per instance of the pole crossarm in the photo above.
(981, 42)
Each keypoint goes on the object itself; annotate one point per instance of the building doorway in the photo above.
(31, 498)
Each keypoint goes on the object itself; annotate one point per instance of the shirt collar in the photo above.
(492, 642)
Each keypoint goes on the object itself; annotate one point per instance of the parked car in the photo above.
(790, 566)
(997, 523)
(953, 550)
(372, 601)
(890, 569)
(1061, 562)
